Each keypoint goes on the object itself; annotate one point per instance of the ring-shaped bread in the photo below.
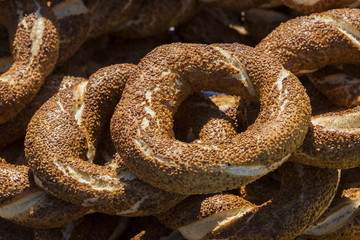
(306, 44)
(35, 50)
(142, 125)
(61, 144)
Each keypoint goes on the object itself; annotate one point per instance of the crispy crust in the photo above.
(61, 143)
(305, 44)
(36, 45)
(142, 124)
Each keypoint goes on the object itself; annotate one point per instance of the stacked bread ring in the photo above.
(276, 157)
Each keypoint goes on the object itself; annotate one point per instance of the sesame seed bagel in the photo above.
(308, 43)
(333, 140)
(142, 123)
(61, 145)
(341, 219)
(304, 195)
(35, 51)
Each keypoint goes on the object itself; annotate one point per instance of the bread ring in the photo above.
(62, 158)
(23, 202)
(283, 217)
(341, 220)
(36, 45)
(169, 74)
(305, 44)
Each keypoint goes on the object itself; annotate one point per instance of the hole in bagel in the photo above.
(216, 114)
(5, 52)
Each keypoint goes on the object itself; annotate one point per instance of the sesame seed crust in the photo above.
(61, 144)
(142, 123)
(35, 51)
(305, 44)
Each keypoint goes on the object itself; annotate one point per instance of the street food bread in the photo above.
(61, 144)
(170, 73)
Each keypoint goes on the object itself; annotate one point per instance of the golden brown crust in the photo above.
(142, 123)
(199, 207)
(305, 44)
(36, 44)
(62, 156)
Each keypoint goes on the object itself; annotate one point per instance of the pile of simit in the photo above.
(106, 132)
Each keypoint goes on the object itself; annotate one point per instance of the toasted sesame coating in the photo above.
(35, 46)
(143, 120)
(305, 44)
(61, 145)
